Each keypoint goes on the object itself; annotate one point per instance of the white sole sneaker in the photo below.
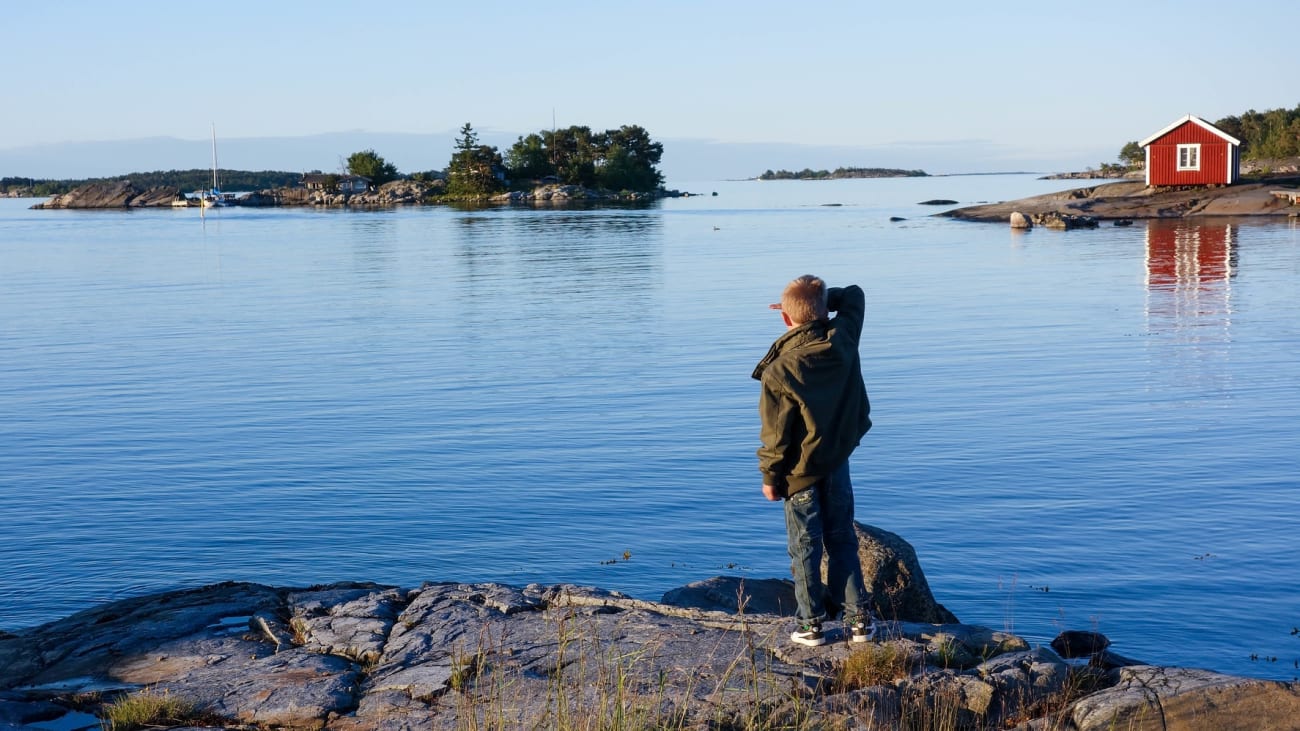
(863, 632)
(812, 637)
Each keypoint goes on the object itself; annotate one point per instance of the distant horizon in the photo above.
(684, 160)
(731, 89)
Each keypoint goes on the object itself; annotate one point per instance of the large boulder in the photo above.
(893, 574)
(1149, 698)
(890, 570)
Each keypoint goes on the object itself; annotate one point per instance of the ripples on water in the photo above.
(1092, 429)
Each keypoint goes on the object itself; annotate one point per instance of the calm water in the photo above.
(1093, 429)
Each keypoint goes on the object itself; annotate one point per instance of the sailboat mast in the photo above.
(215, 186)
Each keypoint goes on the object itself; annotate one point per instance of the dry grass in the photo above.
(144, 709)
(873, 665)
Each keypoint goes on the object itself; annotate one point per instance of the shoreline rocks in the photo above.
(1125, 201)
(118, 194)
(124, 194)
(354, 656)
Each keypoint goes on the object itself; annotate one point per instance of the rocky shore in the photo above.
(1130, 200)
(125, 194)
(711, 655)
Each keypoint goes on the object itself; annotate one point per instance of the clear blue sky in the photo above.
(1033, 78)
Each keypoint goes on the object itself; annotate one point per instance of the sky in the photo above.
(1011, 85)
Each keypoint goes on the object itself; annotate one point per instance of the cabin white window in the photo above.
(1189, 157)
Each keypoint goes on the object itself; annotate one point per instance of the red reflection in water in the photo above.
(1189, 271)
(1180, 255)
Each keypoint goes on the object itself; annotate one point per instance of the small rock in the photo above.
(1076, 643)
(1020, 220)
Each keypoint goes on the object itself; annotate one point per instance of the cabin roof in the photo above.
(1194, 120)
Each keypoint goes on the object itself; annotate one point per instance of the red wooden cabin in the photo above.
(1191, 151)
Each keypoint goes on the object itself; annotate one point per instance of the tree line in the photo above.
(185, 180)
(623, 159)
(1264, 136)
(810, 174)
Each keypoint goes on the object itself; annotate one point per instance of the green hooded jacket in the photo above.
(813, 405)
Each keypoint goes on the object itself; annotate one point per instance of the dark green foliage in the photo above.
(572, 152)
(1265, 135)
(1132, 155)
(35, 187)
(370, 165)
(810, 174)
(617, 159)
(631, 160)
(527, 159)
(475, 170)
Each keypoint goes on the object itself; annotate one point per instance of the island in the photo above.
(841, 173)
(358, 656)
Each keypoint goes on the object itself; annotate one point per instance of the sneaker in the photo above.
(809, 634)
(863, 631)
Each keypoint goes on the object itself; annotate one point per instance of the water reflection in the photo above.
(374, 248)
(1189, 273)
(549, 276)
(622, 247)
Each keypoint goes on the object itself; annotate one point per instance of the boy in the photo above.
(814, 411)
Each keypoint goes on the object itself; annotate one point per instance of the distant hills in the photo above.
(684, 160)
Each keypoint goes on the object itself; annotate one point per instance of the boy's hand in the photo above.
(771, 493)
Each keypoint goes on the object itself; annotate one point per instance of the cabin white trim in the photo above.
(1194, 120)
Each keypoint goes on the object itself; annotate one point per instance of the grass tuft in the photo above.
(146, 708)
(873, 665)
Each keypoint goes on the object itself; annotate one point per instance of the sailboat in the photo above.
(214, 197)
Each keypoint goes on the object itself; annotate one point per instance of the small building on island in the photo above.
(1191, 151)
(340, 183)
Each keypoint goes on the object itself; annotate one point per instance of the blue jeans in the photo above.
(819, 519)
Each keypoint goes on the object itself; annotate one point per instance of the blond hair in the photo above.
(804, 300)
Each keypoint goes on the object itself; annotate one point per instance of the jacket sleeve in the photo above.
(850, 307)
(780, 415)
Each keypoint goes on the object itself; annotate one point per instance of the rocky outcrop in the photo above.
(1063, 221)
(394, 193)
(1146, 698)
(1138, 174)
(447, 656)
(1133, 200)
(115, 194)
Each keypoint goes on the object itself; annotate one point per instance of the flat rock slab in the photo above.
(1130, 200)
(349, 657)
